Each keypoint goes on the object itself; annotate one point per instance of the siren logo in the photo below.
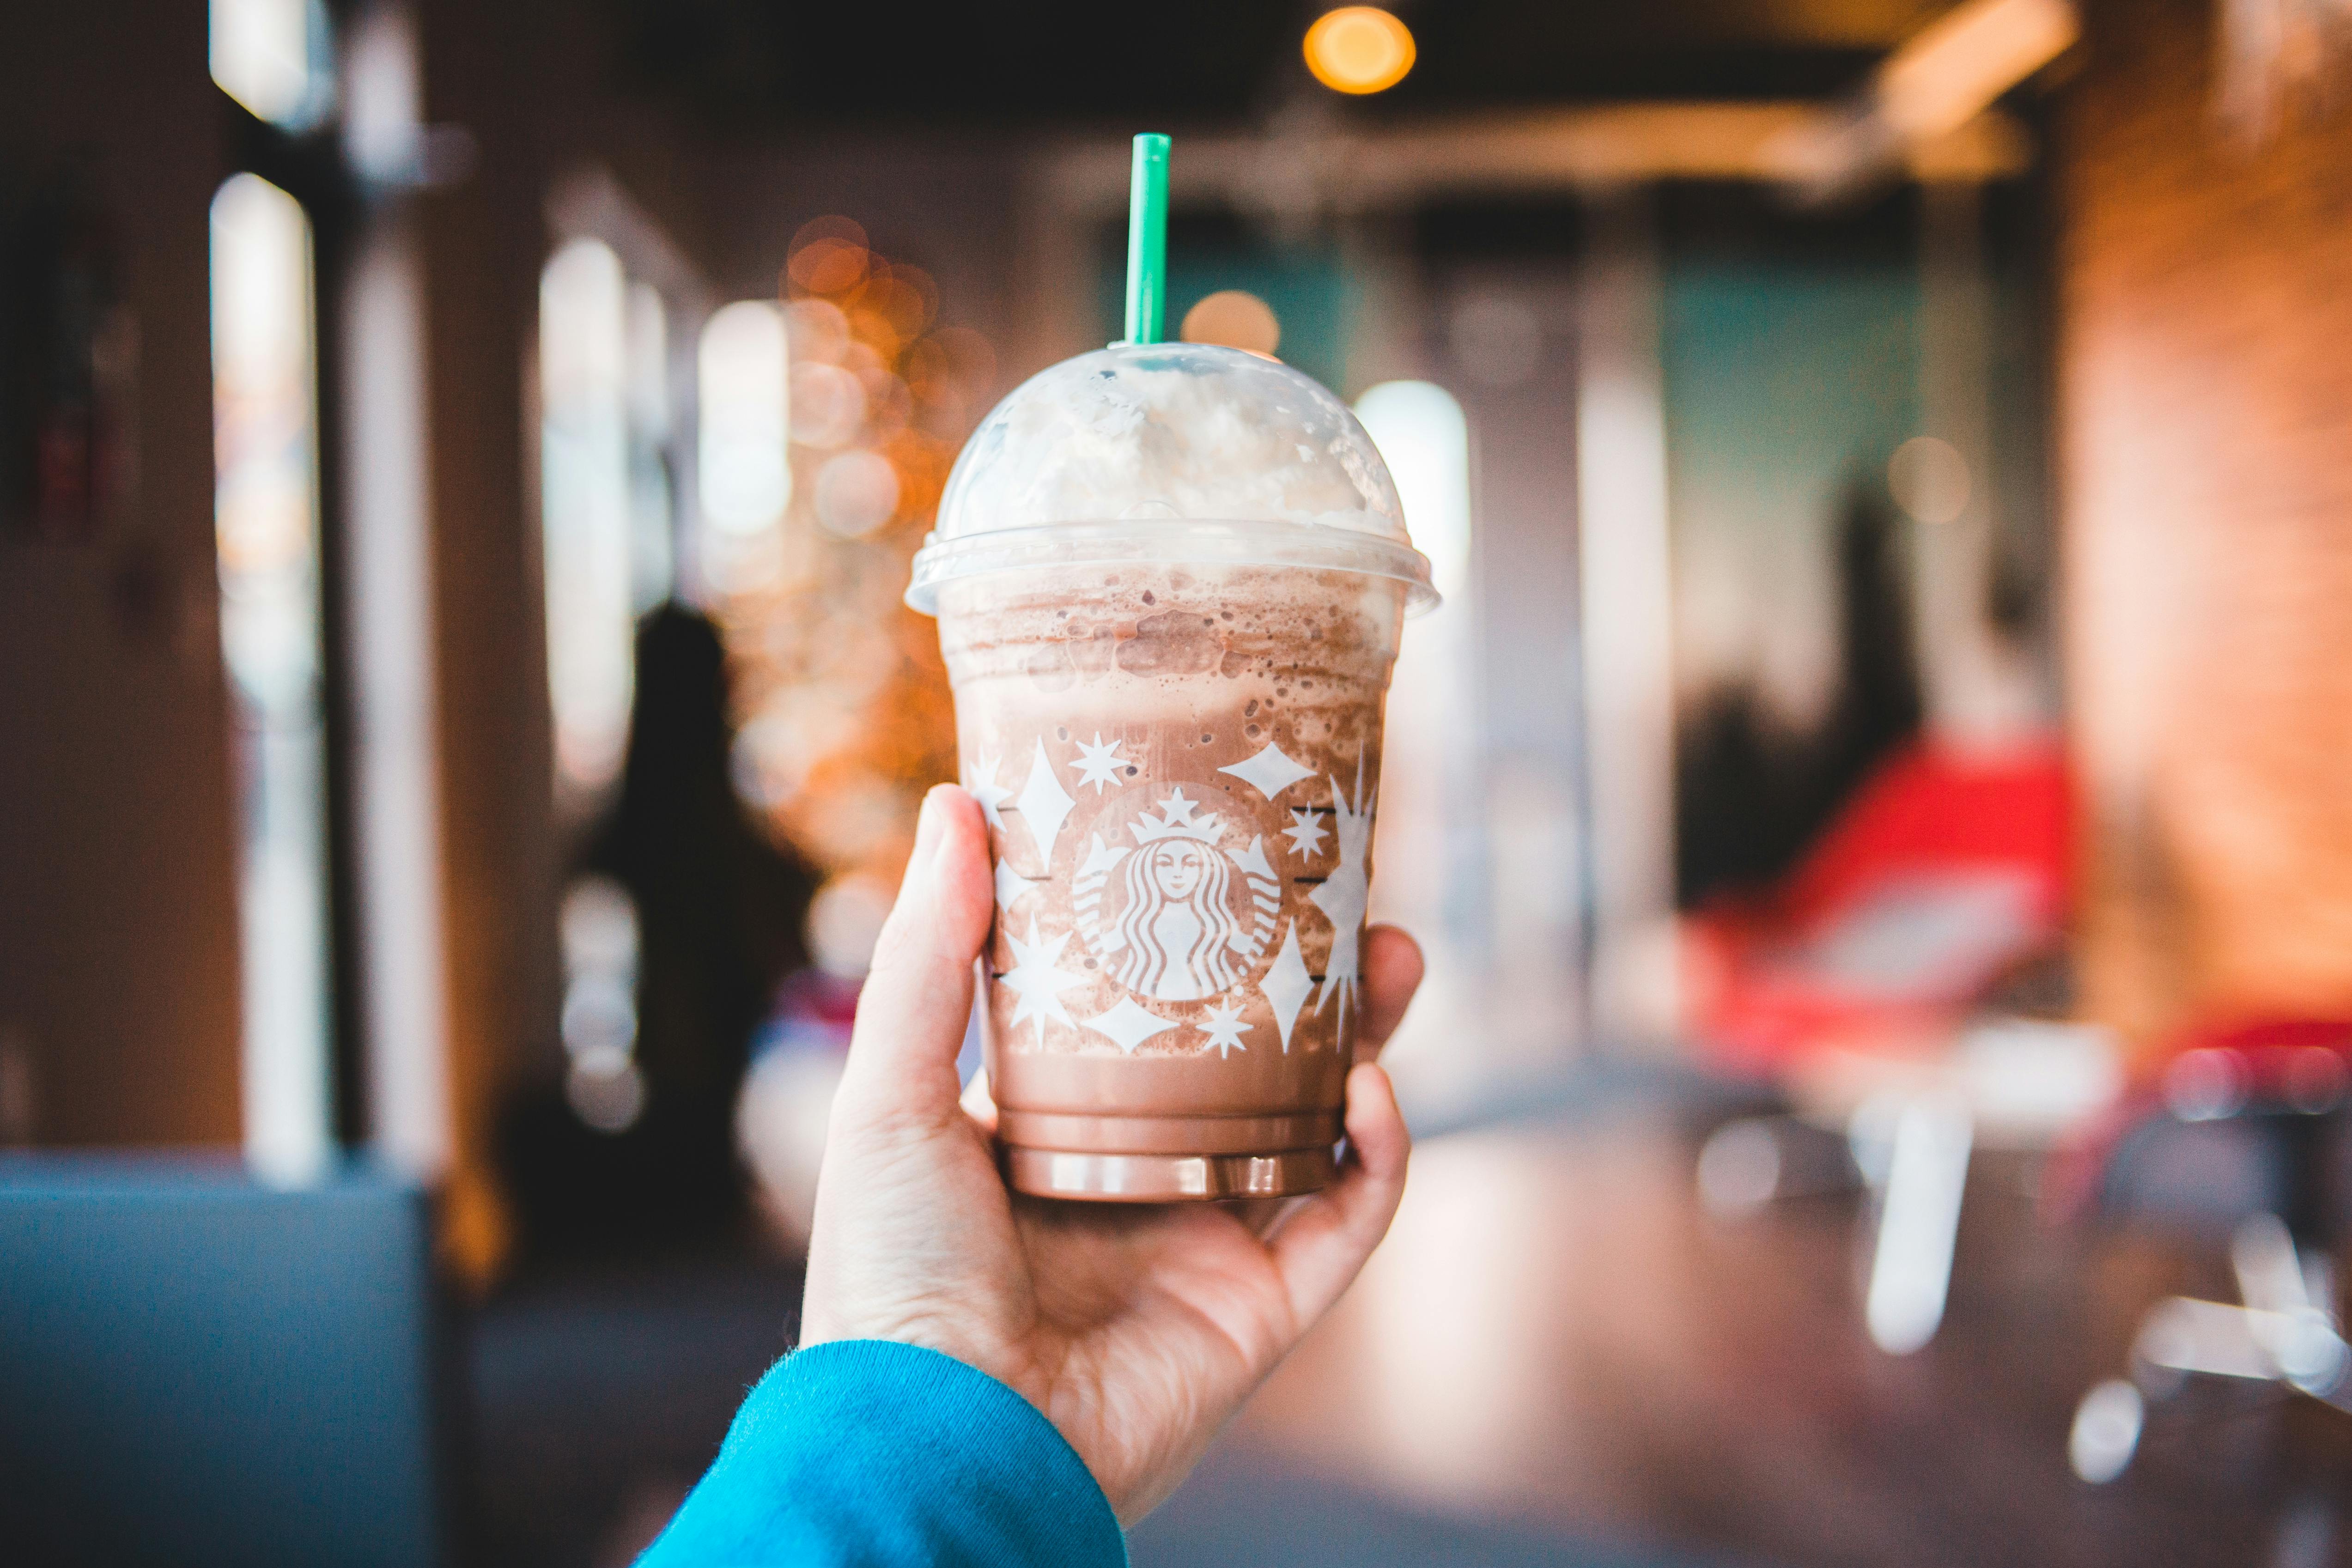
(1177, 914)
(1168, 906)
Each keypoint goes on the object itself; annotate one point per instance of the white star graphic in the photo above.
(1224, 1029)
(1178, 811)
(1033, 980)
(982, 782)
(1307, 836)
(1098, 764)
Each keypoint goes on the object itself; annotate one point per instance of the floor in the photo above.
(1556, 1334)
(600, 1393)
(1558, 1357)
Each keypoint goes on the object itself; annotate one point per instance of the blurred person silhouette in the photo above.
(718, 911)
(991, 1378)
(1750, 792)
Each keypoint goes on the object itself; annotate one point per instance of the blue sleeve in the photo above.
(866, 1454)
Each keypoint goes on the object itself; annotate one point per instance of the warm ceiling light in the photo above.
(1953, 69)
(1358, 48)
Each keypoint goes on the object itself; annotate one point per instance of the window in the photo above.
(1420, 433)
(746, 472)
(608, 534)
(275, 57)
(605, 501)
(1432, 867)
(266, 523)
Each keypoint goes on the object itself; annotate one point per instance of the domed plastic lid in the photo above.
(1182, 454)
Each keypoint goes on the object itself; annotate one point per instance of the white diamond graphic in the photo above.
(1270, 772)
(1128, 1026)
(1010, 884)
(1044, 804)
(1286, 984)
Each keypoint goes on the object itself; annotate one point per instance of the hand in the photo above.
(1136, 1328)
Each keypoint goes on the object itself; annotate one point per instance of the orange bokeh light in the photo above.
(828, 266)
(1359, 49)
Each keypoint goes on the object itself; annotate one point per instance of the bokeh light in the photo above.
(828, 405)
(1359, 49)
(856, 493)
(828, 257)
(1236, 319)
(845, 922)
(840, 702)
(600, 936)
(1929, 479)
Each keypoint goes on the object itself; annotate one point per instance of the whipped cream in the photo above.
(1174, 432)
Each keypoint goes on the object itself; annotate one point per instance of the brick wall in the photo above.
(2205, 450)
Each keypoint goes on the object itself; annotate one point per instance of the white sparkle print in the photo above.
(1345, 893)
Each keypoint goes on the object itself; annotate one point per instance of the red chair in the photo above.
(1947, 870)
(1851, 986)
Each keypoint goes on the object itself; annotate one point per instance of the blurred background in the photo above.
(1877, 799)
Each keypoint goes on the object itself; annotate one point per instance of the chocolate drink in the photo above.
(1180, 767)
(1169, 580)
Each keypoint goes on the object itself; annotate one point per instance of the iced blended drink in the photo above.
(1170, 581)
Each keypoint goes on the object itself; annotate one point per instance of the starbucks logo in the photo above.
(1166, 903)
(1175, 914)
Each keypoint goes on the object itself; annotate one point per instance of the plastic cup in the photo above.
(1170, 581)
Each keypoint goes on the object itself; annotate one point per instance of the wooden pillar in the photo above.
(118, 1019)
(481, 243)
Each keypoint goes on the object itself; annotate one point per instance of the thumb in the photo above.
(918, 996)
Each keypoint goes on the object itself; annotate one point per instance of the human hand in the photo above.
(1136, 1328)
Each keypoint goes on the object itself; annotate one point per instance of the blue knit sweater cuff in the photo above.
(867, 1452)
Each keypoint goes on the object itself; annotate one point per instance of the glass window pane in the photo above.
(266, 523)
(586, 503)
(1431, 774)
(272, 57)
(745, 470)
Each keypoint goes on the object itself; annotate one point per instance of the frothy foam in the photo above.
(1177, 431)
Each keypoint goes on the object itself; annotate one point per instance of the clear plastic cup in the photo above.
(1170, 581)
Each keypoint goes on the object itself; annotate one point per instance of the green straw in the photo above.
(1147, 241)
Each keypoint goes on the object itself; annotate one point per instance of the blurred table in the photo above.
(1556, 1336)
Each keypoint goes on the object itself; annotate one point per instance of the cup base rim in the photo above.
(1165, 1178)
